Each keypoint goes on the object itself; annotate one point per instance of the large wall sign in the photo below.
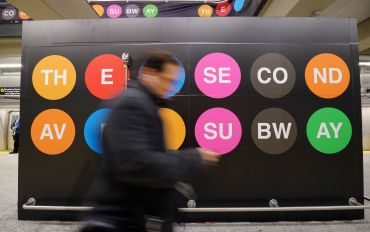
(281, 105)
(177, 9)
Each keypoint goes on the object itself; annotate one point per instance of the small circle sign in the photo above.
(93, 130)
(173, 127)
(329, 130)
(105, 76)
(274, 131)
(327, 75)
(54, 77)
(273, 75)
(219, 130)
(114, 11)
(217, 75)
(150, 11)
(52, 131)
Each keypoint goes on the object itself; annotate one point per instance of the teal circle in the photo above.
(329, 130)
(150, 11)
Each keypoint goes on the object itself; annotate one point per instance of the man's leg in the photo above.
(16, 143)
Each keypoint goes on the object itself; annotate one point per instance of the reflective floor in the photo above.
(9, 222)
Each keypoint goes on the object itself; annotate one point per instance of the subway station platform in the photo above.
(9, 222)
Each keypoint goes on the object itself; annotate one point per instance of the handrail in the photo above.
(31, 205)
(353, 205)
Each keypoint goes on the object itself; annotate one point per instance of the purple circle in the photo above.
(217, 75)
(114, 11)
(219, 130)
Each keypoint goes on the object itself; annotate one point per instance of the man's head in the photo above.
(159, 72)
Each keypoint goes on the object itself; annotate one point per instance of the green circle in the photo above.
(150, 11)
(329, 130)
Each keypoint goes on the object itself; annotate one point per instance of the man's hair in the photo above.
(157, 60)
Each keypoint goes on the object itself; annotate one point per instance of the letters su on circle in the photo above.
(215, 130)
(114, 11)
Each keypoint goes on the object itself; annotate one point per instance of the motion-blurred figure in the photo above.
(15, 129)
(138, 173)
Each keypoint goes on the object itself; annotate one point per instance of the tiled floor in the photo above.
(9, 222)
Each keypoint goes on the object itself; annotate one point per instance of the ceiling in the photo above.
(78, 9)
(359, 9)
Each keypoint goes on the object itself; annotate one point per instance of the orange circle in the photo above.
(327, 75)
(54, 77)
(99, 9)
(52, 131)
(205, 11)
(23, 15)
(173, 128)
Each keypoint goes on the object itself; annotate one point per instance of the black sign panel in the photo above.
(279, 99)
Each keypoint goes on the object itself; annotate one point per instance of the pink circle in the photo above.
(114, 11)
(217, 75)
(219, 130)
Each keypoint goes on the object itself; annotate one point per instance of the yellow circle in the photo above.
(99, 9)
(173, 127)
(205, 11)
(23, 15)
(54, 77)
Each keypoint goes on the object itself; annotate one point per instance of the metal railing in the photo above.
(353, 204)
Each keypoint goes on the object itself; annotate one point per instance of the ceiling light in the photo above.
(10, 65)
(11, 73)
(364, 63)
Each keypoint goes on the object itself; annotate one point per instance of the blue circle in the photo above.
(238, 5)
(94, 127)
(179, 81)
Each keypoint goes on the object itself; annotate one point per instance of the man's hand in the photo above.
(209, 157)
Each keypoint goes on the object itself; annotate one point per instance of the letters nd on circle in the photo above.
(217, 75)
(54, 77)
(105, 76)
(329, 130)
(219, 130)
(274, 131)
(52, 131)
(273, 75)
(327, 75)
(93, 130)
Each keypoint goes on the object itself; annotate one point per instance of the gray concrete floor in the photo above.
(9, 222)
